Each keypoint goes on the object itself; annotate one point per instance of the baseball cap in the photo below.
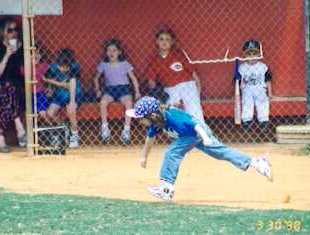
(143, 107)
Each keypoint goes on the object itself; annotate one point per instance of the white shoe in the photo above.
(164, 191)
(105, 134)
(74, 141)
(125, 136)
(262, 166)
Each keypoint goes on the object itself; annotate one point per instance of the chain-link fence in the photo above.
(96, 57)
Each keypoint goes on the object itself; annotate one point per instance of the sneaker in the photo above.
(262, 166)
(105, 134)
(125, 136)
(22, 141)
(164, 191)
(5, 149)
(74, 141)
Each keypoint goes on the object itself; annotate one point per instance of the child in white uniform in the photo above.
(255, 86)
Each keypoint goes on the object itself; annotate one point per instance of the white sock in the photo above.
(167, 184)
(253, 162)
(105, 125)
(127, 128)
(75, 133)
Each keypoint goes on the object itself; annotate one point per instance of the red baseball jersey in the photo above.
(171, 70)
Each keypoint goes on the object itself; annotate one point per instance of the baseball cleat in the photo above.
(161, 192)
(263, 167)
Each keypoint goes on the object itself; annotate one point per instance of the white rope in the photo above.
(226, 59)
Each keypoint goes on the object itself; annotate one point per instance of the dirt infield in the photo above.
(115, 173)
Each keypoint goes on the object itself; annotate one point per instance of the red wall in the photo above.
(205, 29)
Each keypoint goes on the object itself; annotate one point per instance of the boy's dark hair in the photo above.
(4, 22)
(165, 30)
(65, 56)
(117, 43)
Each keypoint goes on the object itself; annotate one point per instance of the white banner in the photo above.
(39, 7)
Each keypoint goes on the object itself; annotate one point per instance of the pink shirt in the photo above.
(40, 71)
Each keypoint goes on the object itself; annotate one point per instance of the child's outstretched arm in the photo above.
(146, 150)
(55, 83)
(203, 134)
(135, 83)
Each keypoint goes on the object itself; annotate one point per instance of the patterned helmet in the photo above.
(144, 107)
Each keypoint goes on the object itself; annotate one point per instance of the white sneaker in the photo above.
(74, 141)
(164, 191)
(105, 134)
(125, 136)
(262, 166)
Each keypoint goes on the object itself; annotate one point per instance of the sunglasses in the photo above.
(11, 30)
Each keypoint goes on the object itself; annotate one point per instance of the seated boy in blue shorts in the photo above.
(187, 133)
(64, 76)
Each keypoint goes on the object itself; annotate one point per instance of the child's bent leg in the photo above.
(105, 131)
(223, 152)
(71, 112)
(173, 157)
(127, 102)
(262, 107)
(105, 101)
(247, 106)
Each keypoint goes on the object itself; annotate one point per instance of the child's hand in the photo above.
(98, 94)
(143, 162)
(10, 50)
(72, 106)
(137, 95)
(66, 85)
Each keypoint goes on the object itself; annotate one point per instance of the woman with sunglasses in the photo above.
(255, 86)
(173, 71)
(11, 82)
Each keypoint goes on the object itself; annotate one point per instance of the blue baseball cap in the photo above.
(144, 107)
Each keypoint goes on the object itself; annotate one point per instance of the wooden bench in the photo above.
(213, 108)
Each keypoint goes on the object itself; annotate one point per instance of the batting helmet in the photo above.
(144, 107)
(251, 45)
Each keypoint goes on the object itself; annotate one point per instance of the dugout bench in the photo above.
(213, 108)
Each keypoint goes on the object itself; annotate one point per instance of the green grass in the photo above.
(305, 150)
(51, 214)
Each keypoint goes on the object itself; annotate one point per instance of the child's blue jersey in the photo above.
(177, 124)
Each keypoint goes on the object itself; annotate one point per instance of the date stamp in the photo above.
(281, 224)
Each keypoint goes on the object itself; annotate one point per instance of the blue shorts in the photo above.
(61, 97)
(42, 102)
(117, 92)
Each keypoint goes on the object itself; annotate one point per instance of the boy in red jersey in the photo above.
(173, 71)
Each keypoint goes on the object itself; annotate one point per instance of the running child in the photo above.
(116, 71)
(187, 133)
